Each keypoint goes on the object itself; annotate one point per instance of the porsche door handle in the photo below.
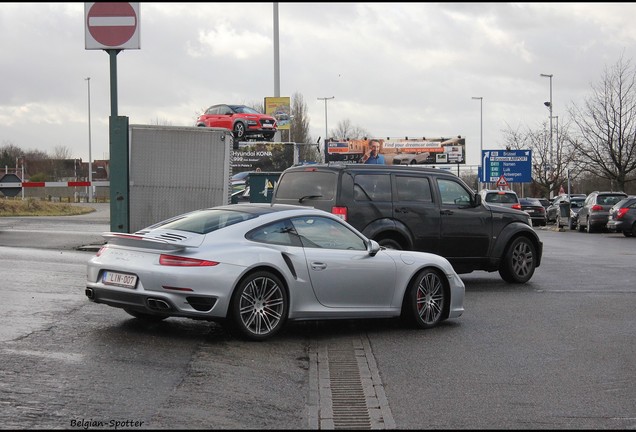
(318, 266)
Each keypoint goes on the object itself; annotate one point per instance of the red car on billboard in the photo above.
(242, 120)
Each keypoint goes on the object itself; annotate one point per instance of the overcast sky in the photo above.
(395, 69)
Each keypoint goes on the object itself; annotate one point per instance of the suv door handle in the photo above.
(446, 212)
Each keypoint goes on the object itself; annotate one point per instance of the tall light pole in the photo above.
(90, 156)
(481, 132)
(549, 105)
(325, 140)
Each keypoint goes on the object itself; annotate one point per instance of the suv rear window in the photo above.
(299, 184)
(501, 198)
(609, 199)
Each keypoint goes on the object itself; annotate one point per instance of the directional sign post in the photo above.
(112, 25)
(513, 165)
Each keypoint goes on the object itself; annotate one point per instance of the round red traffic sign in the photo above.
(111, 24)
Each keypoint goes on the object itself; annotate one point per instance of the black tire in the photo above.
(146, 316)
(589, 228)
(426, 300)
(269, 136)
(259, 306)
(519, 261)
(389, 243)
(239, 130)
(579, 227)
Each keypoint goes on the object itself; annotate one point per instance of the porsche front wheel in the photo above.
(259, 306)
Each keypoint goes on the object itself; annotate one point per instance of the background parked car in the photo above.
(622, 217)
(544, 202)
(576, 202)
(533, 207)
(242, 120)
(554, 208)
(594, 214)
(503, 198)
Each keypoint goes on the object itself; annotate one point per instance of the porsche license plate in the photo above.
(119, 279)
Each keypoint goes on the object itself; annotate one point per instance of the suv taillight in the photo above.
(516, 206)
(341, 212)
(597, 207)
(621, 212)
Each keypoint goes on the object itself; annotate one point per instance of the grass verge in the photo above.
(35, 207)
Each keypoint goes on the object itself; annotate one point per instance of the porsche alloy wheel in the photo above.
(259, 306)
(426, 300)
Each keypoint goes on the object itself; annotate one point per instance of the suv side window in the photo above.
(372, 187)
(413, 189)
(452, 192)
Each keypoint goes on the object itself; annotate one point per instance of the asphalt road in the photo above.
(555, 353)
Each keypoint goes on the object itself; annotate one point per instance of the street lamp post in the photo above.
(549, 105)
(481, 133)
(22, 171)
(326, 99)
(90, 156)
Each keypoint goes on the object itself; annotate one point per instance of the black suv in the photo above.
(423, 209)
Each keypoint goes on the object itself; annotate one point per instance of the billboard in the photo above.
(280, 109)
(400, 151)
(262, 156)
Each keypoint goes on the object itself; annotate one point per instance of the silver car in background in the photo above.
(256, 266)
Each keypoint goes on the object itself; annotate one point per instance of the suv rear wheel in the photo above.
(390, 243)
(518, 263)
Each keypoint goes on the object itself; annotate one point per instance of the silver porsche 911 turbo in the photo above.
(255, 266)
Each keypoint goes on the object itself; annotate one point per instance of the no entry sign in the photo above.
(112, 25)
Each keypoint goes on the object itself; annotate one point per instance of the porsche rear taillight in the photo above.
(597, 207)
(516, 206)
(178, 261)
(341, 212)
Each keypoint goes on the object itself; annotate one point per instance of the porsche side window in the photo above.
(319, 232)
(280, 233)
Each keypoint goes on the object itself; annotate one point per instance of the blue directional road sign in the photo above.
(514, 165)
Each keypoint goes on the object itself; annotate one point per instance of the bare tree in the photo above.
(545, 178)
(605, 139)
(299, 129)
(9, 153)
(61, 152)
(161, 122)
(345, 130)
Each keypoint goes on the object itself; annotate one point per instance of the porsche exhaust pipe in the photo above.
(158, 304)
(90, 293)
